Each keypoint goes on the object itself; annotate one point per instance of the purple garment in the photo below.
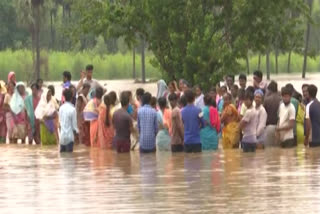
(50, 125)
(66, 84)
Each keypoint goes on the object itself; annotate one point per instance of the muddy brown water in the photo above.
(38, 179)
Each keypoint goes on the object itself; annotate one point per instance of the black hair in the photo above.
(235, 87)
(51, 88)
(39, 80)
(241, 94)
(229, 96)
(286, 91)
(99, 93)
(173, 97)
(231, 76)
(224, 87)
(305, 85)
(273, 86)
(290, 87)
(89, 67)
(258, 73)
(146, 98)
(112, 97)
(139, 92)
(124, 99)
(67, 93)
(249, 95)
(197, 86)
(153, 102)
(67, 75)
(312, 90)
(243, 77)
(183, 100)
(189, 95)
(35, 85)
(251, 89)
(106, 101)
(207, 100)
(162, 102)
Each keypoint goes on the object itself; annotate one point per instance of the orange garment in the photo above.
(105, 133)
(94, 139)
(167, 119)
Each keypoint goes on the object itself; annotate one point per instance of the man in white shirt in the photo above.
(68, 123)
(286, 122)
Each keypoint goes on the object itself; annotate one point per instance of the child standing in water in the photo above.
(249, 125)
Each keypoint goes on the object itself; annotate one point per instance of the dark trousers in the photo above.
(249, 147)
(147, 150)
(192, 148)
(66, 148)
(287, 143)
(314, 144)
(123, 145)
(177, 148)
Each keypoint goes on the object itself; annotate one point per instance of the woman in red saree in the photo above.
(83, 125)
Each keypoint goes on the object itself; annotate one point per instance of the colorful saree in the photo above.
(163, 138)
(83, 126)
(105, 133)
(91, 114)
(209, 133)
(31, 104)
(300, 123)
(231, 129)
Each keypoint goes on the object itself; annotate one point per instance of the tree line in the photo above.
(197, 40)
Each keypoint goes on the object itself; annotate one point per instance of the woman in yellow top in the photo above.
(300, 119)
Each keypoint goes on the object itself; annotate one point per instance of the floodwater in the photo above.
(38, 179)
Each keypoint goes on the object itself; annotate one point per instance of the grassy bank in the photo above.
(53, 63)
(118, 66)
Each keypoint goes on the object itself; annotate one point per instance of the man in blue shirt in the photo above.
(68, 123)
(147, 125)
(312, 118)
(192, 120)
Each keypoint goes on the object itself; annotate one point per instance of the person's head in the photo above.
(273, 87)
(124, 100)
(297, 96)
(34, 89)
(139, 93)
(223, 90)
(10, 87)
(49, 95)
(291, 88)
(286, 95)
(73, 90)
(85, 89)
(207, 100)
(99, 93)
(234, 91)
(52, 89)
(305, 92)
(213, 93)
(66, 76)
(112, 98)
(12, 77)
(250, 88)
(181, 84)
(248, 99)
(227, 99)
(40, 83)
(189, 96)
(257, 76)
(197, 90)
(186, 86)
(241, 94)
(258, 97)
(153, 102)
(89, 70)
(172, 87)
(312, 91)
(243, 81)
(162, 102)
(146, 99)
(67, 93)
(173, 98)
(21, 89)
(183, 101)
(230, 80)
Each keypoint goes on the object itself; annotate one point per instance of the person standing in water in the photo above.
(312, 118)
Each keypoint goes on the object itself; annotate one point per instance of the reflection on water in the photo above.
(40, 180)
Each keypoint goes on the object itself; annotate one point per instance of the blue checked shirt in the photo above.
(148, 127)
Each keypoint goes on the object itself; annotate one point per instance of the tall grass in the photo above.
(118, 66)
(115, 66)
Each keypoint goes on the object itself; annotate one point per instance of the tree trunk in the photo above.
(248, 64)
(289, 62)
(276, 58)
(134, 63)
(306, 48)
(268, 65)
(259, 62)
(51, 29)
(37, 41)
(143, 69)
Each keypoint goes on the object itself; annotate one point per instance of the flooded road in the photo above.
(40, 180)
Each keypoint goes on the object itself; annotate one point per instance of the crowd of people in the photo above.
(179, 118)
